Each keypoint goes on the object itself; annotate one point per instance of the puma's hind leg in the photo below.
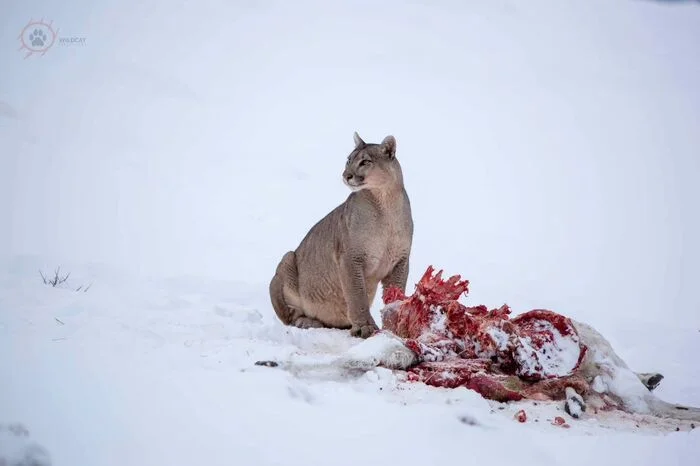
(286, 278)
(307, 322)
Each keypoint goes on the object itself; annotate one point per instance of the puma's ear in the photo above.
(389, 146)
(359, 143)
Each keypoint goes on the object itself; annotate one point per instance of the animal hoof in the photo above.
(574, 405)
(654, 381)
(363, 331)
(651, 380)
(266, 363)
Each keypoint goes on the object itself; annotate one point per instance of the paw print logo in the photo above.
(37, 37)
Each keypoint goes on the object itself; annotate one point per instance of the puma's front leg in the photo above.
(354, 290)
(398, 276)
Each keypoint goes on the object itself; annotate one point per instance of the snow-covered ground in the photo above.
(550, 150)
(163, 372)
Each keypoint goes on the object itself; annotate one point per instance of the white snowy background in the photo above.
(551, 150)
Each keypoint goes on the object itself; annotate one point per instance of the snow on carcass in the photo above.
(547, 344)
(532, 355)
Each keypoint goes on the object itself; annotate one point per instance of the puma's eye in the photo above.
(365, 162)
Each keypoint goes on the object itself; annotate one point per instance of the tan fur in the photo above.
(332, 277)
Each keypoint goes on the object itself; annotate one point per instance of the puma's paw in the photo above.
(364, 331)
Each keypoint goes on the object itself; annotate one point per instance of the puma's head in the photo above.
(372, 166)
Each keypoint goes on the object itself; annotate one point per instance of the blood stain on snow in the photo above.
(561, 422)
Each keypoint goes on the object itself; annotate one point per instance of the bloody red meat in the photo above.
(533, 355)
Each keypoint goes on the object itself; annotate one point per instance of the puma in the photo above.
(330, 280)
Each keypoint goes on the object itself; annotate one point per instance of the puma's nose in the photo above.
(348, 176)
